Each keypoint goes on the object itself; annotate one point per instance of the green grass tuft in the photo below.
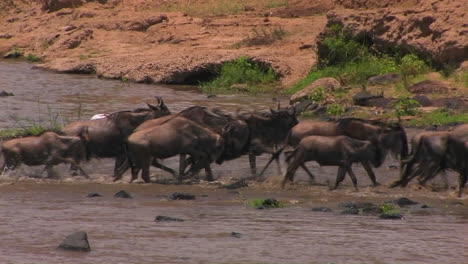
(440, 117)
(389, 209)
(266, 203)
(33, 57)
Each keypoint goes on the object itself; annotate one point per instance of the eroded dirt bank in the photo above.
(142, 41)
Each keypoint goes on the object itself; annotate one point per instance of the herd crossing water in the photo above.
(37, 214)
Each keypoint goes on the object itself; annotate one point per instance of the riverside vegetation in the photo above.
(352, 61)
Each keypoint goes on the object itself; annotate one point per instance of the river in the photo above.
(36, 214)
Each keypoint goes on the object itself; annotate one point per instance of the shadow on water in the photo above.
(36, 214)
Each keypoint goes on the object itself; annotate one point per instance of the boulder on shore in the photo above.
(328, 84)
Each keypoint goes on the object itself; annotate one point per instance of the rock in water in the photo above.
(162, 218)
(77, 241)
(403, 201)
(182, 196)
(123, 194)
(391, 216)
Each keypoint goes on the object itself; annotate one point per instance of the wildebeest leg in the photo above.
(289, 174)
(121, 166)
(406, 171)
(462, 181)
(339, 176)
(194, 169)
(209, 173)
(369, 171)
(353, 177)
(158, 165)
(253, 166)
(312, 177)
(135, 171)
(182, 164)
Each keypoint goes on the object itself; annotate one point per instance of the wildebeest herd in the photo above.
(201, 136)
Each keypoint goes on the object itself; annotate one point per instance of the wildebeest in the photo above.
(216, 120)
(107, 135)
(436, 152)
(339, 151)
(428, 150)
(268, 131)
(178, 135)
(391, 137)
(47, 149)
(249, 133)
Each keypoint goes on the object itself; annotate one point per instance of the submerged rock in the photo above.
(93, 194)
(77, 241)
(403, 201)
(391, 216)
(162, 218)
(123, 194)
(3, 94)
(181, 196)
(350, 211)
(321, 209)
(236, 235)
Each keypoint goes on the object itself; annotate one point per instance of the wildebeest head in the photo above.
(377, 156)
(158, 110)
(393, 138)
(270, 128)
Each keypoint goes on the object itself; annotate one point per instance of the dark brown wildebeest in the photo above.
(439, 151)
(391, 137)
(178, 135)
(47, 149)
(107, 135)
(268, 131)
(236, 140)
(428, 150)
(249, 133)
(339, 151)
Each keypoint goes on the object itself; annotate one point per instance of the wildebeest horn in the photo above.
(160, 101)
(152, 107)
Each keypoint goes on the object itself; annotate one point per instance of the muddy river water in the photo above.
(37, 214)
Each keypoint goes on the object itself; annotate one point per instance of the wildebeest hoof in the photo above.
(376, 184)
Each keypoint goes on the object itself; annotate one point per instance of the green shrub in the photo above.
(411, 65)
(318, 95)
(405, 106)
(335, 109)
(32, 57)
(15, 52)
(240, 71)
